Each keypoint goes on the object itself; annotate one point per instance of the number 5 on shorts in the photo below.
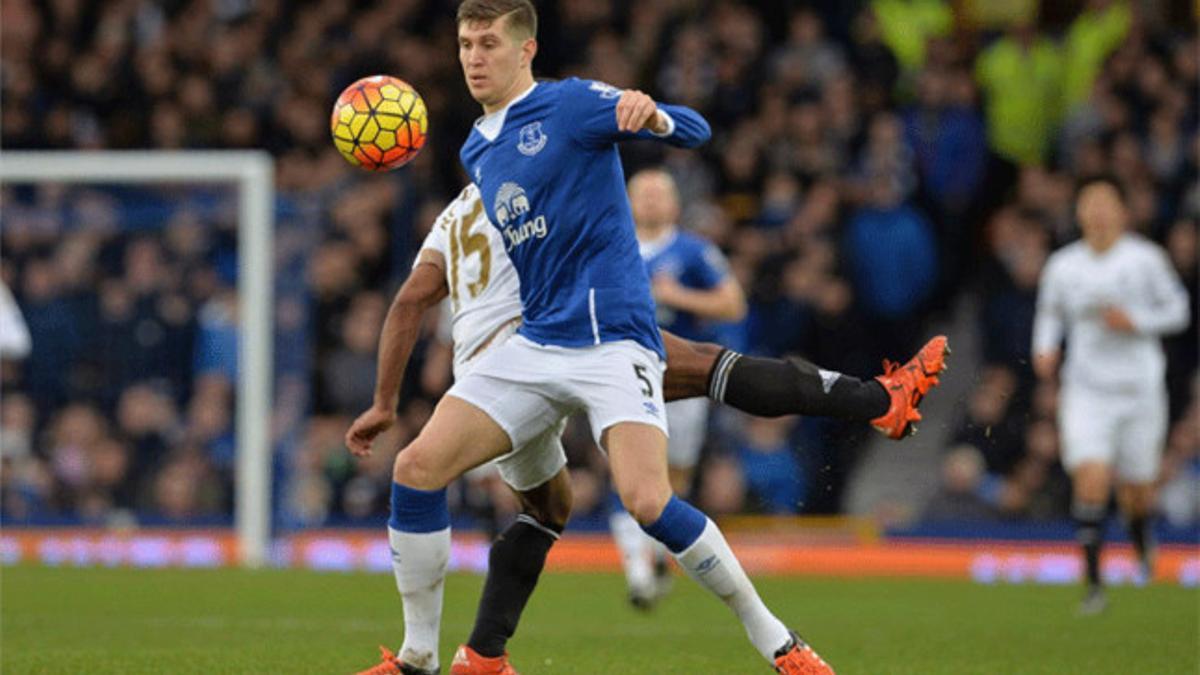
(647, 387)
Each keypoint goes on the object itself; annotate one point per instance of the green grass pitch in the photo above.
(230, 621)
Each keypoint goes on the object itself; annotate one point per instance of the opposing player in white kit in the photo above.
(463, 260)
(1112, 295)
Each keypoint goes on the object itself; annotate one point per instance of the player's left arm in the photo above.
(1167, 311)
(604, 114)
(676, 124)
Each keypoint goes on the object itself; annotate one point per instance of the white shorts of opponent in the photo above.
(530, 390)
(1125, 430)
(688, 420)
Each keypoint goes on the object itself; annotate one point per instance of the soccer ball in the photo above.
(379, 123)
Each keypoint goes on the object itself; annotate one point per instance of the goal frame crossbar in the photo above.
(251, 172)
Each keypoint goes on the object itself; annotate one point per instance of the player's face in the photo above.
(492, 59)
(1101, 214)
(653, 200)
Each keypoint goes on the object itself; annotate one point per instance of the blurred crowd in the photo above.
(873, 164)
(124, 400)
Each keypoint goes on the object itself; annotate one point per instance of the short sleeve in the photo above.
(710, 265)
(438, 238)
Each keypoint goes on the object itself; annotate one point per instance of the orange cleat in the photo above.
(468, 662)
(390, 664)
(907, 384)
(797, 658)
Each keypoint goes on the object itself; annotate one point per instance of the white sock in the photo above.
(634, 545)
(419, 561)
(710, 562)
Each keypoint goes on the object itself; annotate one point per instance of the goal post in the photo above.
(251, 172)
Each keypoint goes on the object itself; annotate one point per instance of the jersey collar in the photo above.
(651, 248)
(489, 125)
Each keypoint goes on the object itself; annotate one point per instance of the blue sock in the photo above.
(418, 510)
(613, 502)
(679, 525)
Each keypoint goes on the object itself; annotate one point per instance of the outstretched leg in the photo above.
(767, 387)
(774, 387)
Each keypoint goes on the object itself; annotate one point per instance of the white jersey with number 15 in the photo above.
(485, 292)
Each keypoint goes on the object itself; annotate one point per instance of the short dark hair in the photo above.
(523, 17)
(1101, 178)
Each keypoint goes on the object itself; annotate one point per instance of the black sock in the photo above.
(1089, 532)
(1139, 534)
(774, 387)
(514, 564)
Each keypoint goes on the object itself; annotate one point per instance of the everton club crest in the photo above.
(531, 139)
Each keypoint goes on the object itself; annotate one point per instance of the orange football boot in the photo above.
(468, 662)
(797, 658)
(907, 384)
(390, 664)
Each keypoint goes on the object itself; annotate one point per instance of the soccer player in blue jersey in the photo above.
(545, 161)
(693, 290)
(484, 290)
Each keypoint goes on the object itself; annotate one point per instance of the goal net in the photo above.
(60, 216)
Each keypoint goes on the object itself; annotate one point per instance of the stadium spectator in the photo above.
(892, 259)
(774, 476)
(908, 25)
(960, 496)
(1093, 35)
(1021, 78)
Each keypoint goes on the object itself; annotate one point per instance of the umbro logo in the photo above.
(707, 565)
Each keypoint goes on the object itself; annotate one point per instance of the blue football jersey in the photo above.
(694, 263)
(551, 180)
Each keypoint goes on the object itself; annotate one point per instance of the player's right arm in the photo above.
(1048, 323)
(424, 288)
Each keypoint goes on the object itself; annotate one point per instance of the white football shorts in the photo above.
(688, 420)
(530, 390)
(1127, 431)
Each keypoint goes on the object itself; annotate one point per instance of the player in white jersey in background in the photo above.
(1112, 295)
(693, 289)
(463, 260)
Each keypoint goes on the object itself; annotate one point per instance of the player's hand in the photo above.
(366, 429)
(1117, 320)
(1045, 365)
(665, 289)
(637, 111)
